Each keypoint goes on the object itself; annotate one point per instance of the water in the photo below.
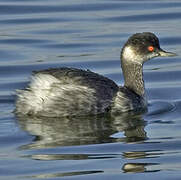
(88, 34)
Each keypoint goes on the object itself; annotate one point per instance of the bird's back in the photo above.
(66, 91)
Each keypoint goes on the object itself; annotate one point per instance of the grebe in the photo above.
(65, 91)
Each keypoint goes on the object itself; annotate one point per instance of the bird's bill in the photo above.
(166, 54)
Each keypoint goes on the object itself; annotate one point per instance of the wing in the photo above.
(104, 87)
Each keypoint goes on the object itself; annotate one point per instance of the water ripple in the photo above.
(35, 20)
(146, 17)
(39, 34)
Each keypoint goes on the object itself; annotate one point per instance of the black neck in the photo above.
(133, 77)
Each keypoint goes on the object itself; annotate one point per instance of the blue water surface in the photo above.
(89, 34)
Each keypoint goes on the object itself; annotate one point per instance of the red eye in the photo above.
(150, 48)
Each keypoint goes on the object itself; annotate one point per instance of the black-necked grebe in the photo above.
(71, 92)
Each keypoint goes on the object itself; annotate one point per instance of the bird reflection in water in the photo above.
(64, 131)
(56, 132)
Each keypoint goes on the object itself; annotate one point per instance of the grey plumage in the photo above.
(76, 92)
